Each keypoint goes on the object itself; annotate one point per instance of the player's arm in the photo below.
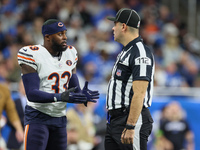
(13, 116)
(31, 83)
(27, 69)
(74, 82)
(139, 89)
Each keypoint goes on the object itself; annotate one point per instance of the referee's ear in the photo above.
(124, 27)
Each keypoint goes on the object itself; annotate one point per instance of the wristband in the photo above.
(129, 127)
(57, 97)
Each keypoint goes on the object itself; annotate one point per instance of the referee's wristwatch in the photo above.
(129, 127)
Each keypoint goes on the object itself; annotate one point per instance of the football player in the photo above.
(50, 81)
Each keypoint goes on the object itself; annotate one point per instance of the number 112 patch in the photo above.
(142, 61)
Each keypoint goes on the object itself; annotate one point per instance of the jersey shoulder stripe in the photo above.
(26, 55)
(26, 62)
(26, 58)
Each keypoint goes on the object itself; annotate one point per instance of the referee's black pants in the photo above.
(115, 126)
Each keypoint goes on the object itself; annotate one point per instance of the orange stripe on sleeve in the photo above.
(25, 137)
(76, 58)
(26, 58)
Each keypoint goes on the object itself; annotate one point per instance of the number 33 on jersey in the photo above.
(54, 73)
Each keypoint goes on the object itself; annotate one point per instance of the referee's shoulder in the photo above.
(138, 45)
(146, 47)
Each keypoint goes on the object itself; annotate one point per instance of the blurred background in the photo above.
(170, 27)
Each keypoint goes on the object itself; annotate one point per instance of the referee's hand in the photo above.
(127, 136)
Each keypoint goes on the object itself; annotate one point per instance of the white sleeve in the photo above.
(25, 56)
(75, 54)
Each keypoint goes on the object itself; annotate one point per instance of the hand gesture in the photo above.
(91, 95)
(70, 97)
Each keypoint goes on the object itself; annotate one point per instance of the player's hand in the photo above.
(127, 136)
(91, 95)
(70, 97)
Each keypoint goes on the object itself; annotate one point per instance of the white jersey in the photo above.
(54, 74)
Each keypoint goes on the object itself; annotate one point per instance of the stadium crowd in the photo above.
(176, 51)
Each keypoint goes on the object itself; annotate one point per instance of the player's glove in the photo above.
(70, 97)
(91, 95)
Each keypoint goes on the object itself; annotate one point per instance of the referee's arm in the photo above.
(139, 89)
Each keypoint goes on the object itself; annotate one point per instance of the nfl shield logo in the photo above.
(119, 72)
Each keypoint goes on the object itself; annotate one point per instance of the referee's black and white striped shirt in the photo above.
(135, 62)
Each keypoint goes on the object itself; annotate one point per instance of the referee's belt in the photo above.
(118, 112)
(121, 111)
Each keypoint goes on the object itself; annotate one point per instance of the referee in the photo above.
(130, 89)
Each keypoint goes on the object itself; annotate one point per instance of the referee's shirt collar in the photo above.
(132, 43)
